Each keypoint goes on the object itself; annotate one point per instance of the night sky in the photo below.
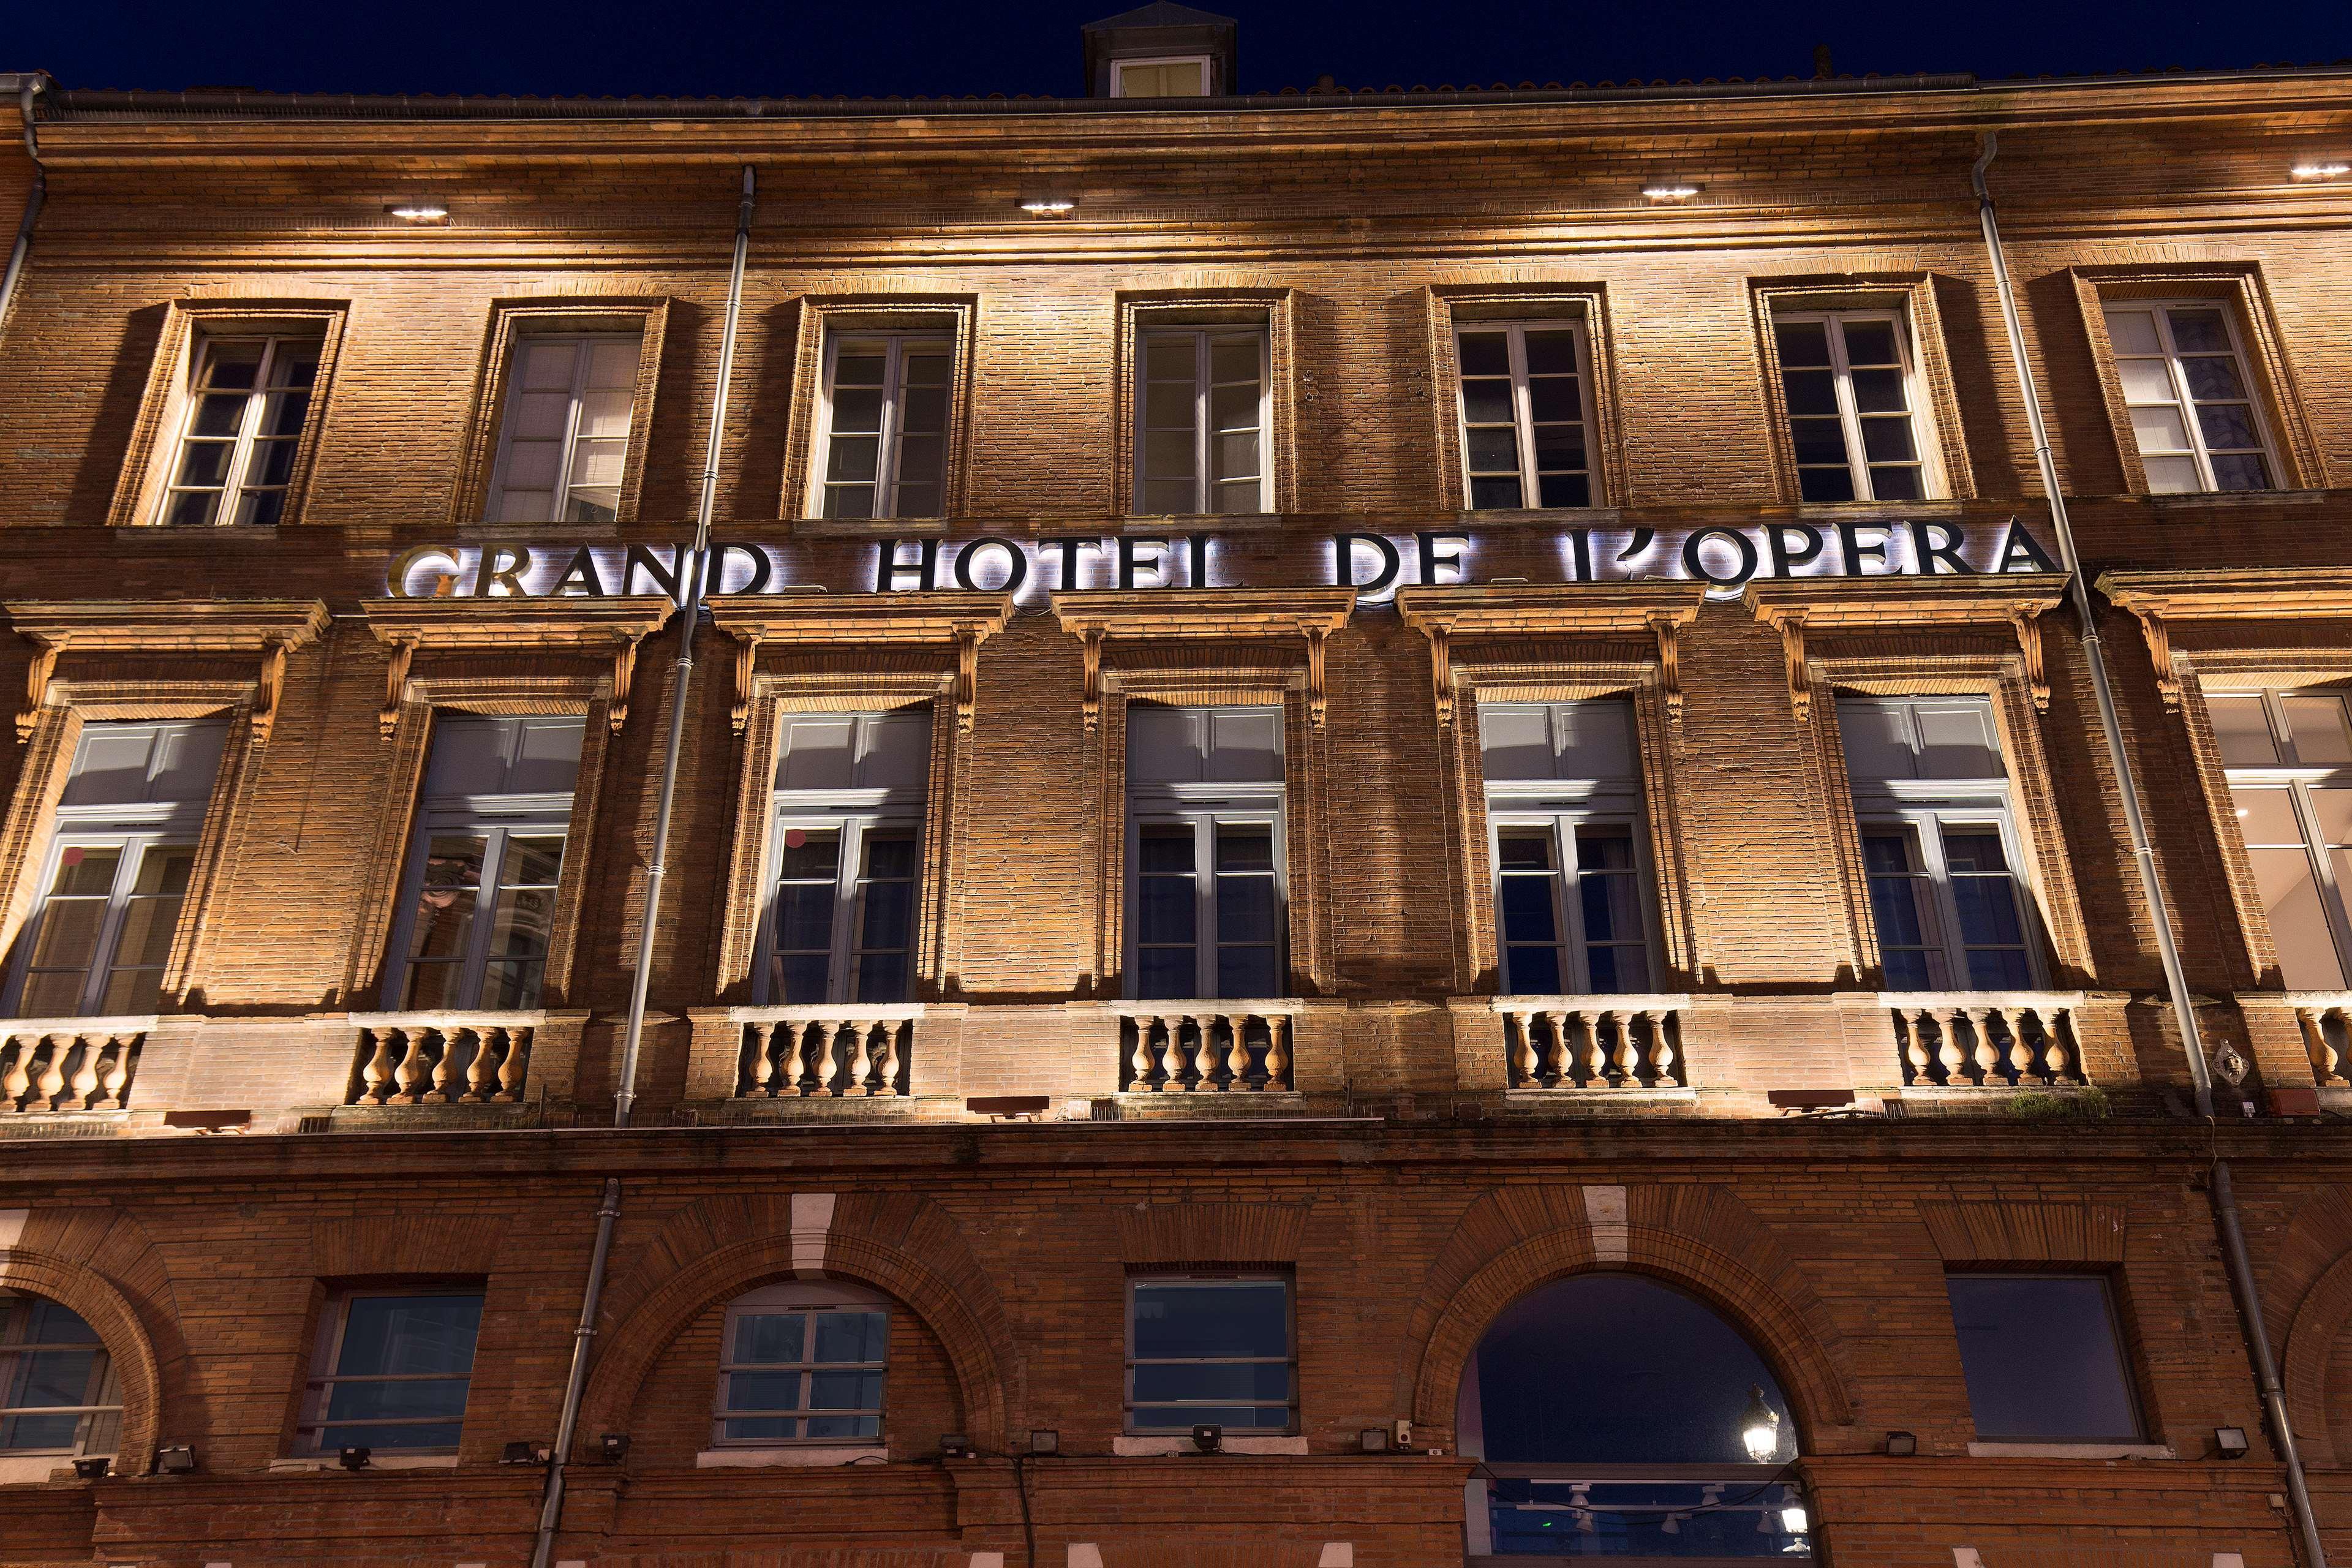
(693, 46)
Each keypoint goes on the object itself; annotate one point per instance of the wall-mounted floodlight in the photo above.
(419, 212)
(1671, 191)
(93, 1468)
(177, 1460)
(2229, 1442)
(2331, 170)
(1901, 1445)
(354, 1458)
(1048, 207)
(1044, 1440)
(1208, 1438)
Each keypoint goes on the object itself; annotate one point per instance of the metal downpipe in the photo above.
(2222, 1192)
(20, 252)
(551, 1513)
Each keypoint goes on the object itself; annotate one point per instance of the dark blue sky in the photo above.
(926, 46)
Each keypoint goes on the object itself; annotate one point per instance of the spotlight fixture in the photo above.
(1049, 206)
(419, 212)
(177, 1460)
(1901, 1445)
(2229, 1442)
(954, 1446)
(523, 1453)
(354, 1458)
(613, 1448)
(1759, 1427)
(1209, 1438)
(2331, 170)
(1793, 1518)
(93, 1468)
(1670, 191)
(1373, 1439)
(1041, 1441)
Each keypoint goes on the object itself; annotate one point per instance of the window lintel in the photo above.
(468, 624)
(1797, 607)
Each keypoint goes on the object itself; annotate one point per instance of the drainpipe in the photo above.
(28, 88)
(551, 1513)
(2243, 1285)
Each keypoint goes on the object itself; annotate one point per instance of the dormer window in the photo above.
(1183, 76)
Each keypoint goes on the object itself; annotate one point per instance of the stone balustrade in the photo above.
(2325, 1018)
(1596, 1043)
(830, 1052)
(442, 1059)
(1205, 1047)
(69, 1064)
(1986, 1040)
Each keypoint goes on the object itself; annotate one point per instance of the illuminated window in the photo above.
(1173, 76)
(1213, 1350)
(247, 400)
(2043, 1358)
(480, 900)
(58, 1390)
(1525, 409)
(1571, 866)
(2190, 400)
(125, 841)
(1205, 885)
(564, 444)
(1201, 420)
(803, 1362)
(1939, 844)
(882, 431)
(848, 862)
(2289, 756)
(1856, 407)
(392, 1372)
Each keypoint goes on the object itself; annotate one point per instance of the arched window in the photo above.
(58, 1393)
(803, 1362)
(1618, 1417)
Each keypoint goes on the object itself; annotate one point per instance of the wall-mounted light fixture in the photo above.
(1670, 191)
(1208, 1438)
(419, 212)
(354, 1458)
(954, 1446)
(523, 1453)
(1901, 1445)
(1759, 1427)
(2332, 169)
(1049, 206)
(177, 1460)
(2229, 1442)
(1373, 1439)
(613, 1448)
(92, 1468)
(1041, 1441)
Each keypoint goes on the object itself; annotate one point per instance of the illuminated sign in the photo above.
(1376, 565)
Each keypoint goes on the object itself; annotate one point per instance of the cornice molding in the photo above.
(1311, 614)
(467, 625)
(812, 620)
(2234, 594)
(1795, 606)
(1448, 613)
(271, 627)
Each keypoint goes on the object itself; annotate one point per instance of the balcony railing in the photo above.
(1598, 1043)
(1986, 1040)
(49, 1065)
(826, 1052)
(1205, 1047)
(441, 1059)
(2326, 1019)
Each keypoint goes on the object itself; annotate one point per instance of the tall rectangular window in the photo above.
(848, 864)
(1856, 407)
(2043, 1358)
(1210, 1350)
(563, 443)
(1525, 407)
(125, 841)
(882, 430)
(2190, 397)
(1571, 866)
(392, 1372)
(1206, 888)
(1203, 420)
(249, 398)
(1940, 846)
(2289, 761)
(486, 855)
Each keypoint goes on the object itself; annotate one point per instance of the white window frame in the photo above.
(799, 1296)
(2290, 774)
(1204, 807)
(2184, 404)
(327, 1354)
(854, 813)
(1194, 1276)
(1922, 809)
(895, 344)
(1934, 484)
(134, 827)
(236, 482)
(16, 1308)
(1523, 409)
(1208, 64)
(494, 506)
(1204, 336)
(496, 818)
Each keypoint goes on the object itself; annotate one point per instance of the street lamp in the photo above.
(1759, 1428)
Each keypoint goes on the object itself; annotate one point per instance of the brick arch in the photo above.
(1700, 1239)
(2308, 1302)
(109, 1313)
(900, 1244)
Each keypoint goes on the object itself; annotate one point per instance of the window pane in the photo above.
(765, 1390)
(1486, 401)
(2214, 379)
(1811, 392)
(770, 1337)
(1485, 354)
(1550, 353)
(1825, 484)
(1242, 1383)
(1248, 909)
(2242, 471)
(852, 1335)
(2133, 333)
(1553, 400)
(1529, 910)
(1818, 441)
(1803, 343)
(2198, 331)
(2289, 889)
(409, 1334)
(1879, 392)
(1534, 971)
(1249, 972)
(1165, 972)
(2227, 426)
(2040, 1357)
(2243, 730)
(1870, 343)
(805, 917)
(1220, 1318)
(86, 870)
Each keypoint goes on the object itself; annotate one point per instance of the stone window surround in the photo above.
(152, 450)
(1449, 307)
(1913, 295)
(646, 315)
(956, 315)
(2239, 287)
(1140, 310)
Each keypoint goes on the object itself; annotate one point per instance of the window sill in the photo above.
(526, 1018)
(1877, 510)
(32, 1469)
(2229, 501)
(1162, 1447)
(1601, 1099)
(2071, 1451)
(376, 1462)
(765, 1459)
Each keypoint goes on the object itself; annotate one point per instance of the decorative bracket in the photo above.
(2027, 619)
(1091, 641)
(1791, 624)
(2288, 595)
(967, 682)
(36, 685)
(529, 629)
(1440, 633)
(864, 621)
(395, 683)
(747, 656)
(1666, 625)
(166, 629)
(271, 685)
(1317, 700)
(1224, 615)
(624, 669)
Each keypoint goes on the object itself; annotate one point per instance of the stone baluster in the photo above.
(1662, 1049)
(759, 1058)
(1629, 1051)
(817, 1042)
(446, 1082)
(114, 1071)
(1563, 1069)
(1139, 1066)
(1523, 1050)
(1985, 1057)
(2022, 1055)
(1947, 1051)
(1238, 1053)
(792, 1059)
(2324, 1059)
(490, 1048)
(410, 1078)
(82, 1084)
(1586, 1053)
(1914, 1045)
(887, 1074)
(16, 1078)
(1204, 1052)
(375, 1073)
(49, 1084)
(861, 1060)
(2057, 1057)
(1277, 1059)
(513, 1063)
(1171, 1061)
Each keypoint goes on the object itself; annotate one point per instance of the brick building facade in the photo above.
(1135, 677)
